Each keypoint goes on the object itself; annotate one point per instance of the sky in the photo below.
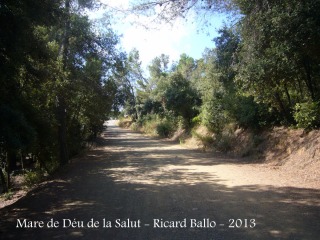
(173, 40)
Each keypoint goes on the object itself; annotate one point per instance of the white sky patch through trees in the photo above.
(183, 36)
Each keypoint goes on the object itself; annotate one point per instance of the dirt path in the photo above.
(154, 183)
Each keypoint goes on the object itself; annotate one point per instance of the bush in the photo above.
(247, 113)
(213, 116)
(7, 196)
(149, 124)
(196, 120)
(181, 98)
(164, 129)
(152, 107)
(34, 177)
(135, 126)
(224, 143)
(307, 115)
(51, 165)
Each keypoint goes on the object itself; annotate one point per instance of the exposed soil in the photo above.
(289, 156)
(19, 190)
(141, 178)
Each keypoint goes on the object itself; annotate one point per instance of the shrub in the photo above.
(135, 126)
(196, 120)
(7, 196)
(164, 129)
(224, 143)
(213, 116)
(34, 177)
(247, 113)
(149, 124)
(205, 139)
(307, 115)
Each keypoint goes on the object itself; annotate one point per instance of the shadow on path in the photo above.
(140, 178)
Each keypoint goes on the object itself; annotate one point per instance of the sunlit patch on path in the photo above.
(131, 176)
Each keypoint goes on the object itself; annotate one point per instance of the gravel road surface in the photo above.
(137, 187)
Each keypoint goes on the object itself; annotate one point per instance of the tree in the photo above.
(56, 80)
(125, 79)
(16, 133)
(226, 56)
(181, 98)
(150, 91)
(170, 10)
(21, 65)
(158, 68)
(279, 58)
(78, 46)
(206, 79)
(186, 66)
(64, 57)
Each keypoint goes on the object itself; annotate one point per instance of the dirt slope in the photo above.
(134, 177)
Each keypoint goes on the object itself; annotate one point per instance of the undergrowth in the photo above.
(227, 140)
(33, 177)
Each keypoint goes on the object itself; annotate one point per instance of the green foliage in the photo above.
(181, 98)
(206, 140)
(224, 142)
(213, 116)
(279, 57)
(307, 115)
(247, 113)
(124, 122)
(159, 67)
(156, 125)
(59, 79)
(164, 128)
(149, 124)
(186, 66)
(7, 196)
(135, 126)
(226, 48)
(152, 107)
(15, 131)
(196, 120)
(33, 177)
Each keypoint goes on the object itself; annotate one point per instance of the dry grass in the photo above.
(124, 122)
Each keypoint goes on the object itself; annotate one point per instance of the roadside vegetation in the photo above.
(60, 76)
(262, 73)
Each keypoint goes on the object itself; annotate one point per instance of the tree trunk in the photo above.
(300, 89)
(8, 170)
(308, 80)
(62, 131)
(288, 94)
(62, 108)
(22, 161)
(282, 107)
(3, 181)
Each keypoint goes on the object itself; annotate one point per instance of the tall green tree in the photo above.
(22, 53)
(69, 7)
(56, 79)
(279, 60)
(186, 66)
(181, 98)
(206, 79)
